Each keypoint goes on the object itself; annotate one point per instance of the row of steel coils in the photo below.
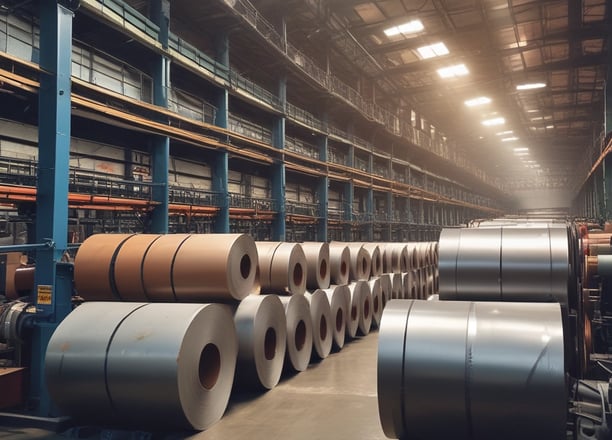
(488, 359)
(172, 323)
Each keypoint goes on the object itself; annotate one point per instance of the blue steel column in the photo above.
(160, 145)
(323, 193)
(278, 168)
(220, 164)
(53, 287)
(349, 197)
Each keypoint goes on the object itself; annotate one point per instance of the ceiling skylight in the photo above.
(481, 100)
(433, 50)
(493, 121)
(530, 86)
(453, 71)
(410, 27)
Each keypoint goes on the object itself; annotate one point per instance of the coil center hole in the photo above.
(323, 328)
(323, 269)
(270, 344)
(366, 309)
(245, 266)
(300, 335)
(298, 275)
(353, 313)
(376, 304)
(209, 366)
(339, 320)
(343, 268)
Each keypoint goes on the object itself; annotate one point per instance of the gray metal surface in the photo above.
(75, 362)
(526, 264)
(339, 298)
(390, 371)
(447, 265)
(262, 331)
(434, 370)
(478, 370)
(322, 329)
(517, 376)
(173, 365)
(299, 331)
(504, 264)
(478, 263)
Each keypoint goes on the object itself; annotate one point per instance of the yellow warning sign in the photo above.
(45, 295)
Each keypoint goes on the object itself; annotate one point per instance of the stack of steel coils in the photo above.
(154, 291)
(489, 369)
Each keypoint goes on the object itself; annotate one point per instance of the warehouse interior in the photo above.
(287, 170)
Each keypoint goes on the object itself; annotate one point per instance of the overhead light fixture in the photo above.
(433, 50)
(411, 27)
(530, 86)
(537, 118)
(453, 71)
(503, 133)
(510, 139)
(493, 121)
(521, 149)
(481, 100)
(522, 153)
(550, 126)
(533, 110)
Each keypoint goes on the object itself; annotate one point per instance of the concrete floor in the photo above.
(333, 399)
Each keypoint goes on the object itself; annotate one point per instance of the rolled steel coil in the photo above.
(386, 287)
(166, 268)
(261, 327)
(359, 263)
(339, 261)
(376, 259)
(282, 268)
(320, 313)
(377, 301)
(317, 265)
(160, 365)
(299, 332)
(505, 264)
(339, 298)
(361, 306)
(490, 370)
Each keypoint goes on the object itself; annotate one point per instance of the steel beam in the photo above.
(278, 168)
(160, 145)
(221, 158)
(52, 296)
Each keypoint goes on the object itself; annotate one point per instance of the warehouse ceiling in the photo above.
(535, 67)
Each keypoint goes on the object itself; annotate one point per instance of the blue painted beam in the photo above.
(160, 151)
(52, 297)
(160, 145)
(221, 158)
(220, 173)
(279, 227)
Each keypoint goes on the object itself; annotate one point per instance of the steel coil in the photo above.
(488, 370)
(318, 273)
